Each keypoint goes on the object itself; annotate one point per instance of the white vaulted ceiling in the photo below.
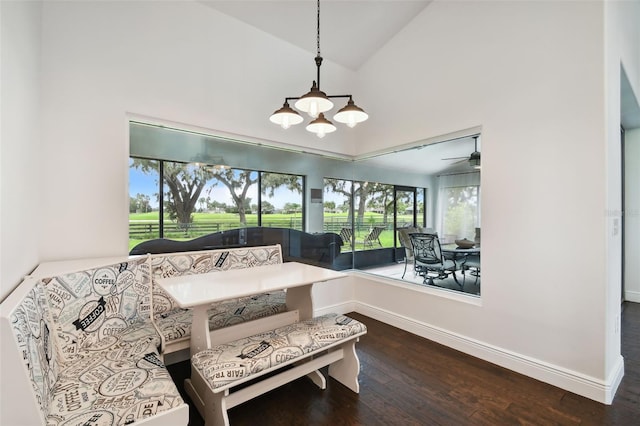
(350, 31)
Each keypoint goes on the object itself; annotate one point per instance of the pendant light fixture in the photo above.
(315, 103)
(474, 158)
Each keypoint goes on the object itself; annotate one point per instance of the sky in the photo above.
(140, 183)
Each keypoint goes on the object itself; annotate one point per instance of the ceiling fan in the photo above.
(473, 159)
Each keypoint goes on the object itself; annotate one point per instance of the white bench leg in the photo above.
(347, 369)
(212, 407)
(216, 409)
(318, 378)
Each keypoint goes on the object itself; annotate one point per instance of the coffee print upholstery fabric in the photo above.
(104, 384)
(115, 389)
(174, 323)
(227, 363)
(189, 263)
(97, 308)
(33, 337)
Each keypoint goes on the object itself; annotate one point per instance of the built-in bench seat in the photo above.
(89, 346)
(306, 346)
(86, 351)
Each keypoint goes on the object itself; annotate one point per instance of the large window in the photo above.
(459, 206)
(367, 213)
(429, 185)
(198, 199)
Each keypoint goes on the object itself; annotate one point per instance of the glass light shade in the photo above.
(286, 116)
(351, 114)
(314, 102)
(321, 126)
(474, 160)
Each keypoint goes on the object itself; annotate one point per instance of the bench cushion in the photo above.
(176, 324)
(114, 388)
(225, 363)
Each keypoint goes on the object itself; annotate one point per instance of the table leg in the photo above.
(455, 277)
(300, 298)
(200, 338)
(455, 263)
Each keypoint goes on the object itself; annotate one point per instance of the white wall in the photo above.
(20, 173)
(622, 50)
(632, 216)
(537, 90)
(179, 61)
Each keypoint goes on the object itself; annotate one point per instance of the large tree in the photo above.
(238, 183)
(381, 196)
(185, 183)
(140, 204)
(361, 192)
(272, 181)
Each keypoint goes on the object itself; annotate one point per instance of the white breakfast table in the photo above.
(199, 291)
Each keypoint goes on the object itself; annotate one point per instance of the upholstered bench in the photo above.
(306, 346)
(85, 351)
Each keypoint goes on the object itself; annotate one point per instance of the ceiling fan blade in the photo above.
(454, 158)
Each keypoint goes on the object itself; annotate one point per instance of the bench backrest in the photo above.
(30, 367)
(89, 308)
(199, 262)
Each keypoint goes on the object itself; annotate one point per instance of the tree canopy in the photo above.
(186, 184)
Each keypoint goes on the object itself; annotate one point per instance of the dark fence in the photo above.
(149, 230)
(152, 230)
(146, 230)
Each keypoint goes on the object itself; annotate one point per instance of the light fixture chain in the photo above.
(318, 28)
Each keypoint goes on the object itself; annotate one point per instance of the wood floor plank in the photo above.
(409, 380)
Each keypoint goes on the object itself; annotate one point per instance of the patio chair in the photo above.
(471, 264)
(405, 241)
(347, 235)
(428, 259)
(373, 236)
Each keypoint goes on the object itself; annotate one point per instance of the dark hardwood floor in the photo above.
(408, 380)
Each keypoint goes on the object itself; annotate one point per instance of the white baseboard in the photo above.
(632, 296)
(589, 387)
(338, 308)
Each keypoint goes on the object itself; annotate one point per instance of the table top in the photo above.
(456, 249)
(200, 289)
